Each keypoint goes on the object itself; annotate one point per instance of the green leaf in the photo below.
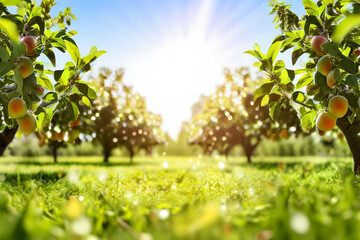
(352, 82)
(347, 65)
(310, 7)
(73, 110)
(274, 50)
(86, 101)
(274, 110)
(254, 53)
(10, 29)
(263, 90)
(18, 3)
(43, 121)
(4, 54)
(50, 97)
(57, 74)
(51, 56)
(312, 89)
(291, 74)
(72, 33)
(38, 21)
(61, 88)
(265, 101)
(86, 90)
(5, 67)
(298, 96)
(320, 80)
(279, 38)
(30, 81)
(352, 99)
(296, 54)
(308, 120)
(311, 20)
(332, 49)
(73, 51)
(345, 27)
(305, 80)
(18, 50)
(62, 76)
(18, 79)
(44, 81)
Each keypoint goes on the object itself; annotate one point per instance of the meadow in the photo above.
(179, 198)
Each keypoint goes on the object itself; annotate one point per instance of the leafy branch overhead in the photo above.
(26, 35)
(325, 89)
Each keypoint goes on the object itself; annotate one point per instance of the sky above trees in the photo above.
(172, 51)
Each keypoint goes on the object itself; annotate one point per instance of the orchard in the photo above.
(171, 130)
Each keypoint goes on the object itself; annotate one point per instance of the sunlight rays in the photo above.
(190, 49)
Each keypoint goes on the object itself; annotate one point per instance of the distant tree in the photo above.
(233, 117)
(121, 118)
(139, 129)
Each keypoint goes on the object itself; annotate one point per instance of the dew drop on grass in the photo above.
(81, 226)
(145, 236)
(299, 223)
(165, 165)
(221, 165)
(164, 214)
(102, 176)
(73, 176)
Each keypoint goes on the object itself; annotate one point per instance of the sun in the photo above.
(181, 62)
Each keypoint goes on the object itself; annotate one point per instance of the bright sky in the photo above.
(172, 50)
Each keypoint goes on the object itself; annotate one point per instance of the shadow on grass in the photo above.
(293, 165)
(74, 163)
(45, 177)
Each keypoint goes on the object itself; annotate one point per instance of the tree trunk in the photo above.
(106, 158)
(351, 132)
(6, 138)
(54, 152)
(248, 158)
(107, 153)
(131, 152)
(249, 149)
(107, 149)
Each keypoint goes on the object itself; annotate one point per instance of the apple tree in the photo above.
(121, 118)
(138, 127)
(30, 94)
(325, 90)
(232, 116)
(63, 130)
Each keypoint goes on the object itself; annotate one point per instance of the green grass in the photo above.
(193, 198)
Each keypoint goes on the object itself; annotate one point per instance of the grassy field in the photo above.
(179, 198)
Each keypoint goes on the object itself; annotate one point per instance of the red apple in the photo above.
(30, 44)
